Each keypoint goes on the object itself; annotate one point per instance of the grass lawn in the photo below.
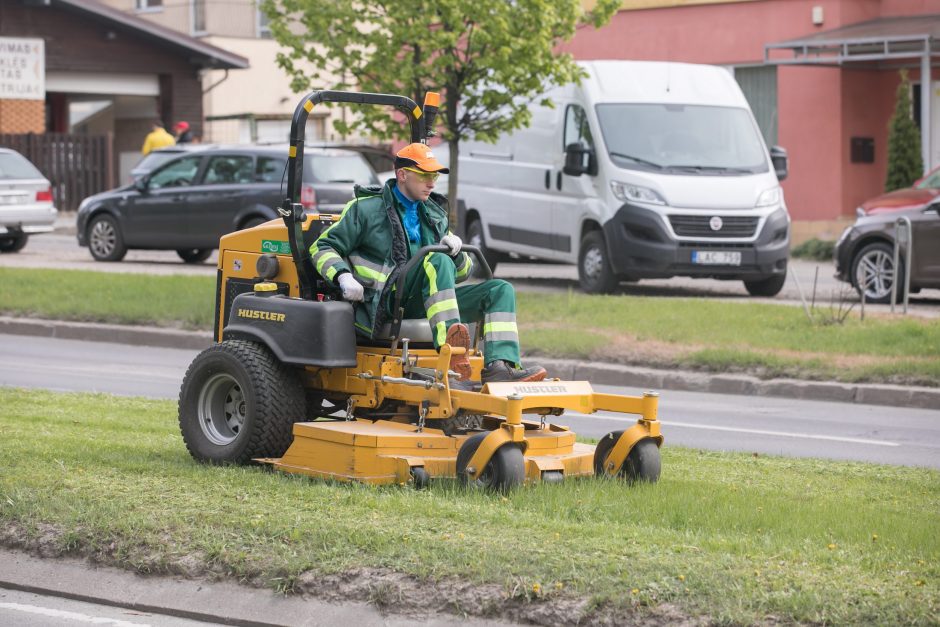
(733, 537)
(767, 340)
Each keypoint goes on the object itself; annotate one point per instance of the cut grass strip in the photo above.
(735, 537)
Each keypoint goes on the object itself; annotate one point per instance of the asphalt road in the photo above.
(60, 250)
(778, 426)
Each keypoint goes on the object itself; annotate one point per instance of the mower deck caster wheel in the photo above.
(505, 470)
(642, 464)
(420, 478)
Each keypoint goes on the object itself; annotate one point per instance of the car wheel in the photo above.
(873, 273)
(105, 241)
(251, 223)
(770, 286)
(194, 255)
(13, 242)
(475, 238)
(594, 271)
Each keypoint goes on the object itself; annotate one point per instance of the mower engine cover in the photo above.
(299, 332)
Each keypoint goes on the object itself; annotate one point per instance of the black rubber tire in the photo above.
(505, 471)
(459, 423)
(643, 463)
(768, 287)
(878, 260)
(194, 255)
(420, 478)
(594, 271)
(237, 402)
(476, 238)
(105, 241)
(13, 242)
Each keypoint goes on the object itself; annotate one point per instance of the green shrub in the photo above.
(905, 161)
(815, 249)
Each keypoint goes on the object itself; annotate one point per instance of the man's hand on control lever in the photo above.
(453, 242)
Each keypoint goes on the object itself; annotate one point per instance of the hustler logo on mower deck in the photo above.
(532, 388)
(261, 315)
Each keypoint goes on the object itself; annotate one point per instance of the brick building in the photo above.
(105, 73)
(821, 77)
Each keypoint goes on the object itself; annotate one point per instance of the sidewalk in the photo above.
(596, 373)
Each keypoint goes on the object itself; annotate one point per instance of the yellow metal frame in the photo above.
(385, 451)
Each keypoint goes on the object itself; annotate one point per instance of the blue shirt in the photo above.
(411, 224)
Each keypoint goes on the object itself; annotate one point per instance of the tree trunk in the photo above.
(452, 184)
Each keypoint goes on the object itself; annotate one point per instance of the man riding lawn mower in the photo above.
(391, 389)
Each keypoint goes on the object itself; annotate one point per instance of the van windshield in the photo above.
(682, 139)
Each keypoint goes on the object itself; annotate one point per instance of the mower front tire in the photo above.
(238, 403)
(643, 462)
(505, 470)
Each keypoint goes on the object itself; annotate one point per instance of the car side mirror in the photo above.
(579, 159)
(141, 184)
(778, 156)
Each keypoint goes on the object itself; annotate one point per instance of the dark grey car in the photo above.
(189, 202)
(864, 254)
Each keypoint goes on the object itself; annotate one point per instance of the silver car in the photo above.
(25, 201)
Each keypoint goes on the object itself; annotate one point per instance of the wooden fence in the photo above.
(77, 165)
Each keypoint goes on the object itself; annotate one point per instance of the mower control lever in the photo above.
(418, 258)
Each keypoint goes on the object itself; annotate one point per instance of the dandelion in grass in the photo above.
(831, 546)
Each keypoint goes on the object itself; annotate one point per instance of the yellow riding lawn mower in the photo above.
(289, 383)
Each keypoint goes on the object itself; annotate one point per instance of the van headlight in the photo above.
(636, 193)
(769, 197)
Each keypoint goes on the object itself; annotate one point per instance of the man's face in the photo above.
(415, 185)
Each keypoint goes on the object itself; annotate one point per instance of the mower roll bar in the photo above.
(420, 120)
(397, 311)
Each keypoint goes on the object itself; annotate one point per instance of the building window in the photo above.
(149, 5)
(264, 29)
(759, 85)
(198, 9)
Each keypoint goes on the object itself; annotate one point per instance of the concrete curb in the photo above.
(599, 373)
(215, 602)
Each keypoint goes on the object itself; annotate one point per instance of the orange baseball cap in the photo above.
(419, 156)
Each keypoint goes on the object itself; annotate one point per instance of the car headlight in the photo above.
(636, 193)
(859, 212)
(769, 197)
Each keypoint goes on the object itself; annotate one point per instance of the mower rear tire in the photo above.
(505, 470)
(237, 403)
(643, 463)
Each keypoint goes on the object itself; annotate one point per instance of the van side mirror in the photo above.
(778, 156)
(579, 159)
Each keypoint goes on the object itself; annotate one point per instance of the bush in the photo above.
(814, 249)
(905, 162)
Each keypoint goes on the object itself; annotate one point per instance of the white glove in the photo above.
(453, 242)
(352, 289)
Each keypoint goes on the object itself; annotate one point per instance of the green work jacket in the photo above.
(370, 242)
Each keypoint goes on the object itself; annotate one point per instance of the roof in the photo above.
(199, 52)
(878, 40)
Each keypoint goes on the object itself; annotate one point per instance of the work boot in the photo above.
(458, 335)
(499, 371)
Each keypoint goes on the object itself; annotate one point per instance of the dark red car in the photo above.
(864, 254)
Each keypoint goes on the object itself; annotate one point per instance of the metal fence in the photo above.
(77, 165)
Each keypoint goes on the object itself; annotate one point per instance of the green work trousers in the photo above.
(430, 292)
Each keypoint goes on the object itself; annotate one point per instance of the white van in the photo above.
(645, 170)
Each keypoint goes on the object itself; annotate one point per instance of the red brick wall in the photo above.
(22, 116)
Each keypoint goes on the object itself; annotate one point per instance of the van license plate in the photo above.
(717, 257)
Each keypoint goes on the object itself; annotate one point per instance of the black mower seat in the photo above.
(415, 329)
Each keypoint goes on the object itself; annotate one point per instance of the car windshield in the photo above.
(337, 167)
(14, 166)
(155, 159)
(682, 139)
(932, 181)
